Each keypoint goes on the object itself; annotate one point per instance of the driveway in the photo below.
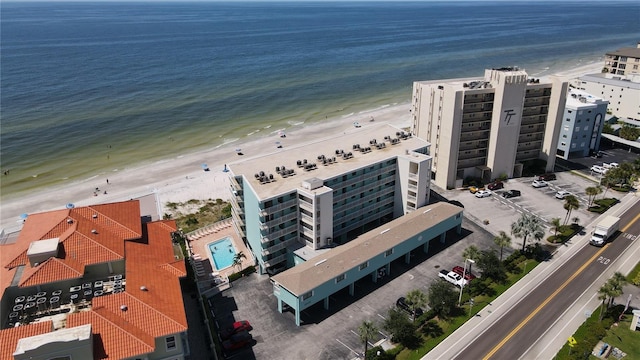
(332, 334)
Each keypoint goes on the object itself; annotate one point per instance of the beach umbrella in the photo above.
(23, 216)
(278, 144)
(70, 206)
(281, 133)
(205, 167)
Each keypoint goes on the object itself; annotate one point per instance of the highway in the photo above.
(526, 321)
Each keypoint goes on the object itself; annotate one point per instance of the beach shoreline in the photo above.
(182, 177)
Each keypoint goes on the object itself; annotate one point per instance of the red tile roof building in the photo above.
(124, 273)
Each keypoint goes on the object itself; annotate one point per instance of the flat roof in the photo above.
(579, 99)
(482, 83)
(633, 52)
(610, 79)
(311, 274)
(327, 146)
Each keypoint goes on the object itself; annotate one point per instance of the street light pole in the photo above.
(464, 273)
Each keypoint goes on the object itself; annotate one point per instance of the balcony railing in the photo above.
(275, 260)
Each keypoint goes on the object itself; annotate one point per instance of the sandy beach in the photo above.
(181, 178)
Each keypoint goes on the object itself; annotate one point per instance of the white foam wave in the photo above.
(346, 116)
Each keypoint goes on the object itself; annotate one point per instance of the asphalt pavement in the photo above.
(547, 345)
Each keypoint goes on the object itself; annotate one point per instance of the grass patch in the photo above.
(565, 232)
(602, 205)
(448, 326)
(194, 214)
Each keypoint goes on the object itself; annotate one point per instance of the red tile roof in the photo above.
(9, 337)
(153, 295)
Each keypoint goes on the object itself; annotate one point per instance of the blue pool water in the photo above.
(223, 253)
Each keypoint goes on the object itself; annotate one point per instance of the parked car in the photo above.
(511, 193)
(467, 274)
(610, 165)
(562, 194)
(483, 193)
(539, 183)
(475, 189)
(237, 341)
(495, 185)
(402, 304)
(452, 277)
(235, 328)
(547, 177)
(598, 169)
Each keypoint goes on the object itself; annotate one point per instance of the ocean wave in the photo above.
(295, 123)
(346, 116)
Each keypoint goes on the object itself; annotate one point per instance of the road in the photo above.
(512, 334)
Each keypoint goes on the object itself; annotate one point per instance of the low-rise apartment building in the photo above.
(581, 130)
(308, 198)
(625, 61)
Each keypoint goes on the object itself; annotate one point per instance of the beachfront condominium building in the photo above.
(625, 61)
(621, 91)
(488, 127)
(308, 198)
(93, 282)
(584, 116)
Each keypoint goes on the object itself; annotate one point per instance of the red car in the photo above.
(237, 341)
(495, 186)
(237, 327)
(459, 270)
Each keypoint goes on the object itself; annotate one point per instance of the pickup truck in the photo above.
(452, 277)
(604, 230)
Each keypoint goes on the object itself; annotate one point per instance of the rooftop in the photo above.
(124, 319)
(479, 83)
(580, 99)
(311, 274)
(633, 52)
(391, 141)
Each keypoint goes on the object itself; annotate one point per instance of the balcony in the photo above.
(477, 107)
(472, 154)
(276, 234)
(473, 145)
(277, 247)
(275, 260)
(278, 220)
(525, 138)
(474, 135)
(469, 163)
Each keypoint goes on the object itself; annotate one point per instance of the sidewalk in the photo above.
(548, 345)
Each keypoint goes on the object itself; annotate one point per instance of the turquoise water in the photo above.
(223, 253)
(90, 88)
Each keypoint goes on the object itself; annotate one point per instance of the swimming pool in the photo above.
(222, 252)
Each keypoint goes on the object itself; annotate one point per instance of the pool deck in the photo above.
(201, 252)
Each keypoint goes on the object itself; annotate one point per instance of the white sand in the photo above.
(181, 178)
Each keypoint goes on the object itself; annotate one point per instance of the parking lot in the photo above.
(332, 334)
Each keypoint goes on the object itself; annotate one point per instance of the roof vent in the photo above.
(143, 288)
(94, 231)
(123, 307)
(69, 221)
(95, 216)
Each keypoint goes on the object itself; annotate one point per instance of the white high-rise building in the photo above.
(488, 127)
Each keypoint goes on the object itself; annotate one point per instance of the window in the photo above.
(564, 136)
(340, 278)
(171, 342)
(307, 295)
(363, 266)
(563, 144)
(388, 252)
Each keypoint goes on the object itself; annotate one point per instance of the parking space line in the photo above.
(345, 345)
(383, 318)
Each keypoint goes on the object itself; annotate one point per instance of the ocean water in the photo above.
(91, 88)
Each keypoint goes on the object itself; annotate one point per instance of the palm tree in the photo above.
(570, 203)
(416, 299)
(237, 259)
(527, 225)
(603, 294)
(616, 283)
(502, 240)
(592, 192)
(555, 222)
(366, 330)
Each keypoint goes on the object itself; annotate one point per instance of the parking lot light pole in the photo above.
(464, 273)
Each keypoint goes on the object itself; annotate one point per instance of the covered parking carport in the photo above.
(368, 255)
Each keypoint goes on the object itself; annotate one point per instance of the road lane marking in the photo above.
(543, 304)
(553, 295)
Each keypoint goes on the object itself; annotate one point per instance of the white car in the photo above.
(562, 194)
(483, 193)
(452, 277)
(539, 183)
(598, 169)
